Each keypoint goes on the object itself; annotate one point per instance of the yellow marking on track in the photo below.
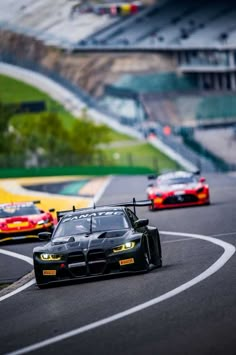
(12, 191)
(93, 186)
(49, 179)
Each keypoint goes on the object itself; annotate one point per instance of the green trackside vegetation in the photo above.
(59, 135)
(136, 153)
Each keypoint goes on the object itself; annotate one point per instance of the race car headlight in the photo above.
(123, 247)
(43, 221)
(50, 257)
(201, 189)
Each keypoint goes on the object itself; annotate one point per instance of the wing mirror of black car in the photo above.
(141, 223)
(44, 235)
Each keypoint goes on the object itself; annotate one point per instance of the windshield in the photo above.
(91, 224)
(177, 180)
(18, 210)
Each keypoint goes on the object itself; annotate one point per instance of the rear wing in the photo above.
(133, 203)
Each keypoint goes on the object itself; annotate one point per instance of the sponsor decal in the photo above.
(126, 261)
(49, 272)
(93, 214)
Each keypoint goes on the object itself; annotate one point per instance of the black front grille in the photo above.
(96, 261)
(96, 255)
(77, 264)
(179, 199)
(76, 258)
(92, 263)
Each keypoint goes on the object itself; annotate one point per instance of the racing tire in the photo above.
(152, 208)
(158, 258)
(41, 286)
(147, 259)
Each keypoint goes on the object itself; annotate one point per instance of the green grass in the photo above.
(16, 91)
(140, 154)
(116, 136)
(125, 153)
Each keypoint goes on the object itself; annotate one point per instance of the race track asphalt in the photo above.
(199, 320)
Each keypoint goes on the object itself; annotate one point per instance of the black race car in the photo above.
(97, 241)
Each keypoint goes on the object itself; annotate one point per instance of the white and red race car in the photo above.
(178, 189)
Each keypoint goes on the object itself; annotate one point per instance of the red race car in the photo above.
(20, 220)
(178, 189)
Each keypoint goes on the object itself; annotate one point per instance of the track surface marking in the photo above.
(229, 250)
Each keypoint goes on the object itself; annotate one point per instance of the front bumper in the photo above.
(95, 263)
(185, 200)
(24, 234)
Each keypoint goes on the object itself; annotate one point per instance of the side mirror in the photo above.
(202, 179)
(141, 223)
(44, 235)
(152, 177)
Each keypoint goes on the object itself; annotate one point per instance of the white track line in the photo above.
(223, 234)
(21, 257)
(101, 191)
(177, 240)
(229, 250)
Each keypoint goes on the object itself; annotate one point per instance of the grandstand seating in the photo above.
(162, 82)
(185, 25)
(172, 25)
(50, 21)
(169, 24)
(190, 109)
(216, 107)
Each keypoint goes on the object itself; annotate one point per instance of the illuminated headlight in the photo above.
(43, 221)
(123, 247)
(50, 257)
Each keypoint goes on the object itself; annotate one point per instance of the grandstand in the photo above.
(201, 36)
(56, 23)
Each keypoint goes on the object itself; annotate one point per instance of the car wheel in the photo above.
(42, 286)
(147, 262)
(146, 256)
(158, 254)
(152, 208)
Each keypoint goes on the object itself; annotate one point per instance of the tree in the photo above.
(6, 134)
(44, 138)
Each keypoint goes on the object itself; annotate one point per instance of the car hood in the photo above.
(103, 240)
(176, 187)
